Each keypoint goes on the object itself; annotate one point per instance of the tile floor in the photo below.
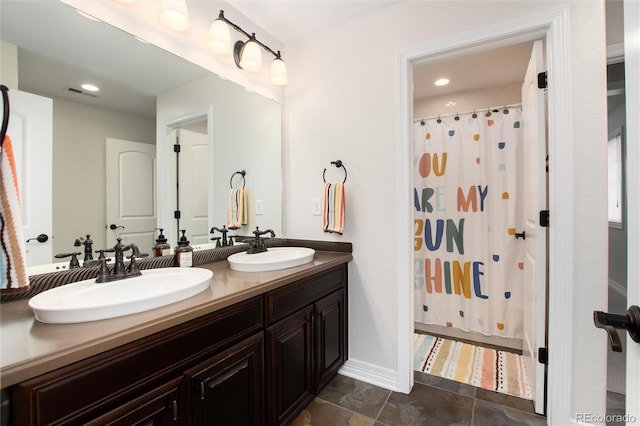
(432, 401)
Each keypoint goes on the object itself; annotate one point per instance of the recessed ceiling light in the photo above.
(441, 82)
(450, 104)
(90, 87)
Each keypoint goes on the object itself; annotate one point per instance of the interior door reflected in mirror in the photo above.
(141, 89)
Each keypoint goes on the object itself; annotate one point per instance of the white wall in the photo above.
(341, 103)
(479, 99)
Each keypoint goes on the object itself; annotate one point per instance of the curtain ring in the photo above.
(241, 173)
(338, 164)
(474, 115)
(439, 120)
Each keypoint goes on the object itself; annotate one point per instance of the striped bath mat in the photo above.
(498, 371)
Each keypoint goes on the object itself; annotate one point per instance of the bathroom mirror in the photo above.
(57, 50)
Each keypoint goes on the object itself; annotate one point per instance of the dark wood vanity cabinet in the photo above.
(258, 362)
(139, 379)
(304, 349)
(228, 389)
(158, 407)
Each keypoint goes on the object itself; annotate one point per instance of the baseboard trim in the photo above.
(370, 373)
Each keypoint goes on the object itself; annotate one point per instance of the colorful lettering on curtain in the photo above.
(468, 263)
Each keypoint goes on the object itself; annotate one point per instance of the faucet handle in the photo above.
(73, 263)
(103, 270)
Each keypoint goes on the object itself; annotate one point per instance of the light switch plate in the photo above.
(316, 208)
(259, 207)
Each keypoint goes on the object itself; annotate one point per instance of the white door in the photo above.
(131, 193)
(31, 131)
(632, 91)
(194, 160)
(534, 200)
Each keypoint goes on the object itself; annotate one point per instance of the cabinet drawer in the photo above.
(286, 300)
(74, 393)
(159, 406)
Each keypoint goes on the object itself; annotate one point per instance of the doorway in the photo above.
(549, 26)
(503, 230)
(189, 177)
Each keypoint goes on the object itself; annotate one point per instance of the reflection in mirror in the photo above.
(48, 49)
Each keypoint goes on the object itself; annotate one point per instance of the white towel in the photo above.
(237, 212)
(13, 264)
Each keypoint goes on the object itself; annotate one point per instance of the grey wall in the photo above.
(79, 137)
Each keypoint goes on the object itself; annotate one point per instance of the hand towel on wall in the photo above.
(333, 208)
(237, 212)
(13, 265)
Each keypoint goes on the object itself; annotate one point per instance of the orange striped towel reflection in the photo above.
(333, 208)
(237, 212)
(13, 264)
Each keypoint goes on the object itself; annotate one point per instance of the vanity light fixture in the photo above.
(174, 15)
(247, 55)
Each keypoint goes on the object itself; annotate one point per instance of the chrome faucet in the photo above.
(119, 271)
(257, 244)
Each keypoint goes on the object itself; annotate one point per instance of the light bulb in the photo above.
(278, 76)
(219, 40)
(251, 59)
(174, 15)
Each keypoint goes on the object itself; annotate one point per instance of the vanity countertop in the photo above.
(30, 348)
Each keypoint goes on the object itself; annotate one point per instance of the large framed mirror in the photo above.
(146, 94)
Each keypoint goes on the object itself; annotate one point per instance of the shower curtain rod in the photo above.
(490, 109)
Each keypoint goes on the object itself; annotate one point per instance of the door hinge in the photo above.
(544, 218)
(176, 214)
(542, 80)
(176, 147)
(543, 355)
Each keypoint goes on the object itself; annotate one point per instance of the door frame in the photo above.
(632, 99)
(551, 26)
(167, 172)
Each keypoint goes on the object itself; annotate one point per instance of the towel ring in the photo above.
(241, 173)
(338, 164)
(5, 113)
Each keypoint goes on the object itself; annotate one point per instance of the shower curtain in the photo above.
(467, 260)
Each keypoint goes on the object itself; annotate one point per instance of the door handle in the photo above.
(609, 322)
(42, 238)
(113, 227)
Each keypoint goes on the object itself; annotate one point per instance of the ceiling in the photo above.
(290, 20)
(133, 85)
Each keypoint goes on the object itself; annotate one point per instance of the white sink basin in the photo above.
(273, 259)
(89, 301)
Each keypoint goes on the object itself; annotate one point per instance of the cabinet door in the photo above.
(330, 337)
(228, 389)
(158, 407)
(289, 354)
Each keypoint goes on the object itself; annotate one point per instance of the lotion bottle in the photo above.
(161, 248)
(183, 253)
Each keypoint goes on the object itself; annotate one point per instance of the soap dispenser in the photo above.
(161, 248)
(183, 253)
